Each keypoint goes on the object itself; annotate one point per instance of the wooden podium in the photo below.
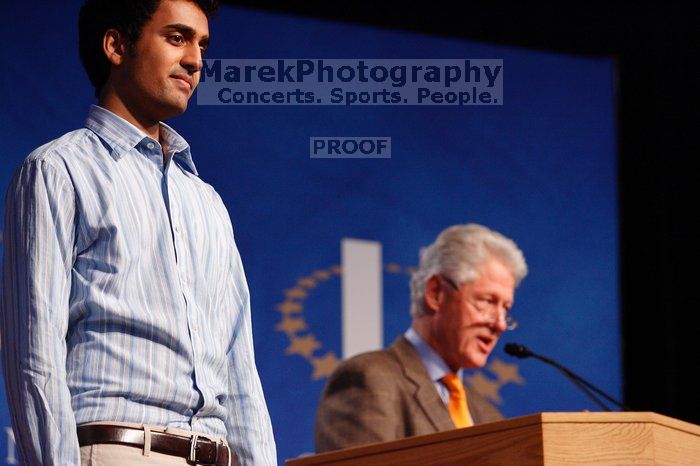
(539, 439)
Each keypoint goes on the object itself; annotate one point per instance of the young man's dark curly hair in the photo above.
(127, 17)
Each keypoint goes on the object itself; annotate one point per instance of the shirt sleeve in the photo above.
(248, 426)
(38, 256)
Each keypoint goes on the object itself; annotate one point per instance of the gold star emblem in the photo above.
(288, 307)
(322, 275)
(291, 325)
(505, 372)
(307, 282)
(393, 268)
(485, 386)
(295, 292)
(304, 346)
(324, 365)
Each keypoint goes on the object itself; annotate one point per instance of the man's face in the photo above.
(462, 336)
(163, 69)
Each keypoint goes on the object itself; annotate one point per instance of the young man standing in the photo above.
(125, 311)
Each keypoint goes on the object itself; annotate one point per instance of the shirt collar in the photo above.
(121, 136)
(437, 368)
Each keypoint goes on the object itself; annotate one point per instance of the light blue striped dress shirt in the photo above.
(124, 297)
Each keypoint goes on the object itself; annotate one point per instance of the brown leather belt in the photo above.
(197, 450)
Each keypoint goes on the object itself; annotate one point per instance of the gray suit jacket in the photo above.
(386, 395)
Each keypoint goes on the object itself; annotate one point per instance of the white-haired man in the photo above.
(461, 296)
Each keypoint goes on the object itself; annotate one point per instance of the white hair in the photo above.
(458, 252)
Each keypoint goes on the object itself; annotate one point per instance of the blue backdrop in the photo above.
(540, 168)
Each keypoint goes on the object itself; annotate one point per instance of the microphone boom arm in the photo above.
(582, 384)
(520, 351)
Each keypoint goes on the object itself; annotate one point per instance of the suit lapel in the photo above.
(425, 394)
(472, 403)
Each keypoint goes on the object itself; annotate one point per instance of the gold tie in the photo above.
(458, 401)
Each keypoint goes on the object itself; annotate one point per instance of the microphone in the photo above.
(519, 351)
(522, 352)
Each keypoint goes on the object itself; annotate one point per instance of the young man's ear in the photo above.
(114, 46)
(434, 294)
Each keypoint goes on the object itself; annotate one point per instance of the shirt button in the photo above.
(150, 145)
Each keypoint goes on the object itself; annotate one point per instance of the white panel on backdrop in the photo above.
(362, 296)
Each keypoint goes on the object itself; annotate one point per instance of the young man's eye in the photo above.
(177, 38)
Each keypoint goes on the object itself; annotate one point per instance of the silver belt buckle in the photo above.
(193, 449)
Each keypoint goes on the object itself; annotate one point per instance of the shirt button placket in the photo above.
(186, 284)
